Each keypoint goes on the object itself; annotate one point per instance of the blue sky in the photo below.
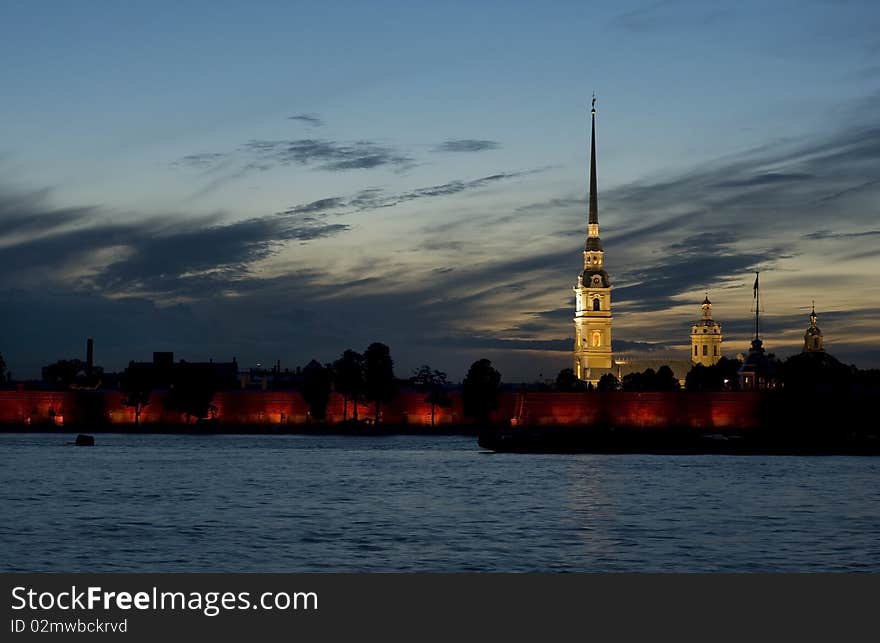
(277, 180)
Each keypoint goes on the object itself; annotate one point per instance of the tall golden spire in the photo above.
(593, 241)
(594, 198)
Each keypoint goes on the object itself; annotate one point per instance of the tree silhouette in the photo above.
(567, 382)
(663, 379)
(348, 377)
(639, 381)
(137, 386)
(608, 383)
(379, 384)
(719, 377)
(666, 380)
(817, 373)
(316, 386)
(192, 389)
(481, 390)
(433, 383)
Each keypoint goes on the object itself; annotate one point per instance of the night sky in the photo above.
(273, 180)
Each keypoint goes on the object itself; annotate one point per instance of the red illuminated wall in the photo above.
(636, 410)
(36, 407)
(641, 410)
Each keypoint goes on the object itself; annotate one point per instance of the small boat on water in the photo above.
(83, 440)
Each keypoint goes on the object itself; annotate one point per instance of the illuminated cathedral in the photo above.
(593, 357)
(592, 320)
(592, 354)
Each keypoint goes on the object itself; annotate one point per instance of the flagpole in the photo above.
(757, 302)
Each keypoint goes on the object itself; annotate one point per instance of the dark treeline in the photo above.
(368, 379)
(816, 372)
(365, 378)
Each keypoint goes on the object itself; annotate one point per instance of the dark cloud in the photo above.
(326, 155)
(374, 198)
(161, 256)
(319, 206)
(310, 119)
(262, 155)
(200, 160)
(623, 345)
(186, 261)
(467, 145)
(28, 213)
(656, 287)
(735, 191)
(766, 178)
(829, 234)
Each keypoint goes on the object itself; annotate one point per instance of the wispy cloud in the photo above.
(374, 198)
(327, 155)
(829, 234)
(310, 119)
(767, 178)
(200, 160)
(467, 145)
(154, 256)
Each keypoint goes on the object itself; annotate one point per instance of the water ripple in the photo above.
(299, 503)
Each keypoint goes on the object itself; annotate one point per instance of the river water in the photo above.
(150, 503)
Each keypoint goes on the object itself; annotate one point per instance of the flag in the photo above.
(755, 287)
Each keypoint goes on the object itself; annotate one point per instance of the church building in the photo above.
(592, 320)
(813, 340)
(706, 337)
(592, 353)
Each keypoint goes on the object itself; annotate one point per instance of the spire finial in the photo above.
(594, 199)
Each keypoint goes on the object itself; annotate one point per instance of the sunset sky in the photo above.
(279, 180)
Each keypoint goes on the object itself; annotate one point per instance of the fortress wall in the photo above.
(709, 411)
(36, 407)
(642, 410)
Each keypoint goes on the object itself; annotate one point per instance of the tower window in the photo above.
(705, 350)
(597, 338)
(596, 304)
(695, 351)
(715, 351)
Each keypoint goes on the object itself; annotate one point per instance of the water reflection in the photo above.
(294, 503)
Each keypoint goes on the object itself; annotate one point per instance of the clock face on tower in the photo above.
(596, 279)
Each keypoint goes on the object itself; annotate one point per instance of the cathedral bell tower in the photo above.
(592, 320)
(813, 339)
(706, 337)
